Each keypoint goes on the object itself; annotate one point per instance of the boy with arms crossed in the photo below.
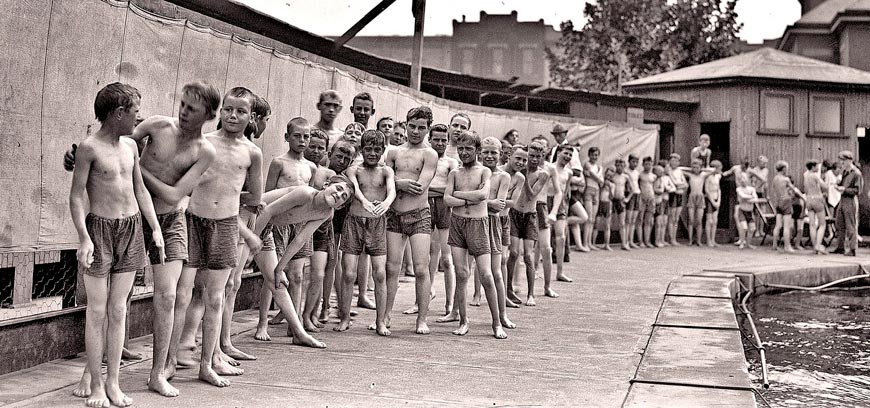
(111, 244)
(365, 229)
(675, 198)
(440, 216)
(410, 217)
(468, 188)
(746, 198)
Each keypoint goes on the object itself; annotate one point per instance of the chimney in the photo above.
(807, 5)
(463, 18)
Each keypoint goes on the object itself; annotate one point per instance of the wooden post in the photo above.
(418, 9)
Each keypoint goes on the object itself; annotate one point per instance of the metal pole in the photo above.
(418, 9)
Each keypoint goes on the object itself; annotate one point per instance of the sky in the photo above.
(762, 19)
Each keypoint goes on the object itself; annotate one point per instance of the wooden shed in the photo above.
(772, 103)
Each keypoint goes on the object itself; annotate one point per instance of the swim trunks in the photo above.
(174, 228)
(797, 210)
(440, 213)
(661, 208)
(618, 206)
(284, 235)
(505, 229)
(743, 215)
(338, 217)
(364, 234)
(633, 203)
(266, 236)
(676, 199)
(118, 245)
(524, 225)
(212, 244)
(784, 209)
(410, 223)
(323, 239)
(543, 211)
(470, 234)
(563, 207)
(605, 208)
(647, 205)
(495, 233)
(591, 195)
(695, 201)
(816, 204)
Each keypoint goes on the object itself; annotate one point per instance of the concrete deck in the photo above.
(581, 349)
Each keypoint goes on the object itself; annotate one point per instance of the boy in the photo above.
(386, 125)
(363, 108)
(797, 214)
(111, 244)
(780, 187)
(399, 135)
(329, 106)
(713, 198)
(746, 198)
(696, 202)
(633, 205)
(605, 209)
(548, 206)
(410, 217)
(440, 216)
(646, 180)
(288, 170)
(814, 185)
(519, 157)
(498, 201)
(323, 239)
(675, 198)
(506, 150)
(460, 122)
(661, 207)
(365, 229)
(621, 196)
(702, 151)
(524, 222)
(594, 178)
(564, 173)
(467, 190)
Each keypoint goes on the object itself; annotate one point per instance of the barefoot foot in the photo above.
(278, 319)
(549, 292)
(186, 359)
(508, 323)
(510, 295)
(422, 328)
(130, 355)
(475, 300)
(237, 354)
(159, 385)
(530, 301)
(83, 390)
(451, 317)
(563, 278)
(413, 310)
(262, 333)
(309, 326)
(118, 398)
(509, 303)
(208, 375)
(365, 303)
(462, 330)
(306, 340)
(224, 368)
(98, 399)
(498, 332)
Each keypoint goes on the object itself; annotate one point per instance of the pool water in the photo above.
(818, 348)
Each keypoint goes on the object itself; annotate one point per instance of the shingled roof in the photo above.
(826, 12)
(765, 64)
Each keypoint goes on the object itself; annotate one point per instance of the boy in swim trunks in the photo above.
(633, 205)
(440, 216)
(500, 183)
(514, 167)
(676, 197)
(696, 201)
(323, 239)
(746, 198)
(365, 230)
(661, 207)
(647, 203)
(547, 206)
(467, 192)
(564, 174)
(399, 135)
(409, 218)
(621, 193)
(605, 208)
(814, 185)
(780, 197)
(524, 222)
(713, 198)
(591, 195)
(288, 170)
(329, 106)
(111, 245)
(340, 156)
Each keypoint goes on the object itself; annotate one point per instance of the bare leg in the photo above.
(234, 282)
(528, 249)
(498, 281)
(592, 210)
(420, 244)
(363, 274)
(461, 264)
(577, 222)
(315, 291)
(777, 229)
(349, 275)
(98, 298)
(407, 264)
(561, 227)
(513, 258)
(712, 222)
(294, 275)
(193, 317)
(546, 253)
(120, 286)
(483, 263)
(166, 278)
(329, 281)
(214, 282)
(268, 261)
(607, 221)
(382, 288)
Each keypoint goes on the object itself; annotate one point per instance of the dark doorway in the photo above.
(863, 163)
(666, 138)
(720, 145)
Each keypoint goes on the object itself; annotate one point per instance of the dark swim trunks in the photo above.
(173, 225)
(618, 205)
(284, 236)
(212, 244)
(543, 211)
(524, 225)
(440, 213)
(563, 208)
(364, 234)
(118, 245)
(410, 223)
(505, 229)
(324, 239)
(495, 233)
(265, 236)
(470, 234)
(338, 218)
(605, 208)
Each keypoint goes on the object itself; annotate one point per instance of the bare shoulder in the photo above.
(86, 149)
(157, 122)
(129, 144)
(453, 163)
(484, 171)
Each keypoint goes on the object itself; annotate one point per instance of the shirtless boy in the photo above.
(676, 198)
(565, 174)
(111, 245)
(440, 216)
(621, 197)
(323, 239)
(594, 178)
(519, 158)
(467, 192)
(365, 230)
(780, 189)
(713, 198)
(814, 185)
(329, 106)
(524, 221)
(499, 196)
(696, 202)
(288, 170)
(213, 225)
(340, 156)
(549, 208)
(647, 203)
(633, 204)
(414, 165)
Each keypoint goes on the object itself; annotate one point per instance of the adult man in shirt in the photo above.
(847, 212)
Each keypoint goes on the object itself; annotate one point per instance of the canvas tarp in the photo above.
(56, 55)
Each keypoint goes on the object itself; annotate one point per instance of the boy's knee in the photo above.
(116, 312)
(164, 301)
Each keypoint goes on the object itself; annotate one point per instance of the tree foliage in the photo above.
(640, 38)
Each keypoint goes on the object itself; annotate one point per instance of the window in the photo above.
(826, 115)
(528, 56)
(467, 60)
(777, 113)
(498, 61)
